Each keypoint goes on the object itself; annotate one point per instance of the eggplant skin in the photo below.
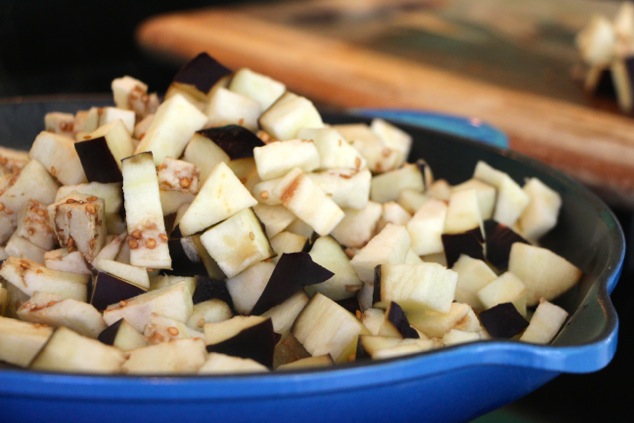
(503, 321)
(202, 72)
(292, 272)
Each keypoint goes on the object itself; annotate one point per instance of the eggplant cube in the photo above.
(29, 277)
(225, 107)
(178, 356)
(387, 185)
(53, 310)
(34, 225)
(307, 201)
(174, 123)
(506, 288)
(57, 153)
(348, 188)
(218, 363)
(423, 285)
(393, 137)
(173, 301)
(426, 227)
(358, 226)
(511, 199)
(378, 156)
(545, 323)
(345, 282)
(221, 196)
(473, 274)
(34, 182)
(80, 224)
(60, 123)
(144, 215)
(204, 153)
(325, 327)
(68, 351)
(288, 115)
(257, 86)
(102, 150)
(112, 196)
(388, 246)
(545, 273)
(123, 336)
(541, 214)
(334, 151)
(20, 341)
(503, 321)
(275, 159)
(237, 242)
(130, 93)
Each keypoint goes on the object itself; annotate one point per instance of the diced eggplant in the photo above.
(259, 87)
(144, 215)
(109, 289)
(79, 223)
(292, 273)
(344, 283)
(288, 115)
(225, 107)
(473, 274)
(287, 350)
(57, 153)
(68, 351)
(178, 356)
(506, 288)
(545, 273)
(123, 336)
(29, 277)
(499, 238)
(33, 183)
(218, 363)
(256, 341)
(235, 140)
(545, 323)
(423, 285)
(208, 288)
(201, 72)
(173, 125)
(20, 341)
(276, 159)
(221, 196)
(237, 242)
(470, 243)
(54, 310)
(503, 321)
(171, 301)
(324, 327)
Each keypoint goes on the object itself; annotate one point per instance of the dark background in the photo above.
(49, 47)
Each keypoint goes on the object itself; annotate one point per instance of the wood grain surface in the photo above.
(592, 145)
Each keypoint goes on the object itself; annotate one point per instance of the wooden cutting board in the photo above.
(520, 89)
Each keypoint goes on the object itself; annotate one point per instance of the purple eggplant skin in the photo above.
(470, 242)
(108, 289)
(208, 288)
(499, 239)
(185, 258)
(397, 317)
(109, 334)
(503, 321)
(235, 140)
(256, 342)
(202, 72)
(97, 161)
(292, 273)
